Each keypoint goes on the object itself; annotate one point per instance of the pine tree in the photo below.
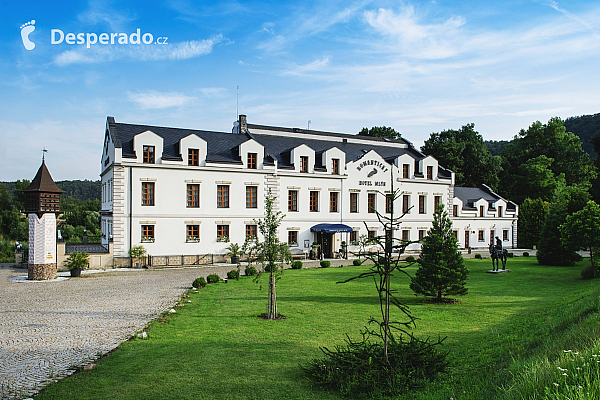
(441, 268)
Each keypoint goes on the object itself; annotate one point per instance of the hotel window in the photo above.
(480, 236)
(147, 233)
(303, 163)
(192, 233)
(353, 237)
(455, 235)
(314, 201)
(389, 203)
(421, 234)
(455, 210)
(437, 201)
(499, 211)
(405, 171)
(293, 200)
(372, 202)
(372, 235)
(481, 211)
(222, 196)
(405, 203)
(193, 195)
(333, 201)
(251, 231)
(251, 195)
(422, 200)
(252, 157)
(405, 234)
(148, 157)
(222, 232)
(353, 202)
(492, 234)
(293, 238)
(505, 235)
(194, 157)
(147, 193)
(335, 166)
(430, 173)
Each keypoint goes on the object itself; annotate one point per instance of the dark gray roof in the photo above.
(469, 195)
(43, 182)
(223, 146)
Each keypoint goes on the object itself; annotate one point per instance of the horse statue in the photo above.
(498, 255)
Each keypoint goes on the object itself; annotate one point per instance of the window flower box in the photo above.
(223, 239)
(191, 239)
(147, 240)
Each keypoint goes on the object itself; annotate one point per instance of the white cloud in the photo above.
(102, 53)
(151, 99)
(414, 38)
(317, 65)
(214, 92)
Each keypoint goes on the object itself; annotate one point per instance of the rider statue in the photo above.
(498, 243)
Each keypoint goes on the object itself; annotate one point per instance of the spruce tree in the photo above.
(441, 268)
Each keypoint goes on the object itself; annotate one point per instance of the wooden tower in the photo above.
(42, 204)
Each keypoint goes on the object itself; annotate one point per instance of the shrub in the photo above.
(213, 278)
(511, 254)
(410, 259)
(360, 368)
(325, 264)
(588, 272)
(250, 271)
(233, 274)
(199, 283)
(478, 256)
(525, 254)
(297, 264)
(356, 262)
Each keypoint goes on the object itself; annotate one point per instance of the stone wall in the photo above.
(41, 272)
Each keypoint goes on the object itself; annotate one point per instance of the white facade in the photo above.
(201, 185)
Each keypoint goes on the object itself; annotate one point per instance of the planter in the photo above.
(76, 272)
(235, 260)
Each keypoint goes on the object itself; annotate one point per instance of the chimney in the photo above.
(243, 124)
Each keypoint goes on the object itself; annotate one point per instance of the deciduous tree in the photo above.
(464, 152)
(581, 230)
(381, 131)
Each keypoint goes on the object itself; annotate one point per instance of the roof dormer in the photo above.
(303, 159)
(334, 160)
(252, 154)
(192, 150)
(148, 147)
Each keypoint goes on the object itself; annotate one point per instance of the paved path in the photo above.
(47, 328)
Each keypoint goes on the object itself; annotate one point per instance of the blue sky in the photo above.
(419, 67)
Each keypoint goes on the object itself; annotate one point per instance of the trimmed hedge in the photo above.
(233, 274)
(250, 271)
(325, 264)
(296, 264)
(356, 262)
(199, 283)
(213, 278)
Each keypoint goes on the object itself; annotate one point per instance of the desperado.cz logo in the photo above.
(57, 36)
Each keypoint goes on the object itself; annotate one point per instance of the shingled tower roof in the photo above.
(43, 182)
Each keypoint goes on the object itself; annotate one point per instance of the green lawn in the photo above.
(216, 347)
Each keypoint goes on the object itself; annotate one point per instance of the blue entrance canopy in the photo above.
(331, 228)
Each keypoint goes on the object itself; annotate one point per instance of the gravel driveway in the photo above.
(47, 328)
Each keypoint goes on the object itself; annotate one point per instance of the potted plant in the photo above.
(233, 251)
(77, 262)
(314, 250)
(137, 253)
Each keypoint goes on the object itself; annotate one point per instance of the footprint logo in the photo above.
(26, 29)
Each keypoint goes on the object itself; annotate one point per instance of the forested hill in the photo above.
(586, 127)
(81, 190)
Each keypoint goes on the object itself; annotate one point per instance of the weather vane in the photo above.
(44, 151)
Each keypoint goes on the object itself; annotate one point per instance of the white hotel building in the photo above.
(185, 192)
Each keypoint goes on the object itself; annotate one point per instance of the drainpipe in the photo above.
(130, 209)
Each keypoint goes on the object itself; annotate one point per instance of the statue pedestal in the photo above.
(41, 272)
(501, 271)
